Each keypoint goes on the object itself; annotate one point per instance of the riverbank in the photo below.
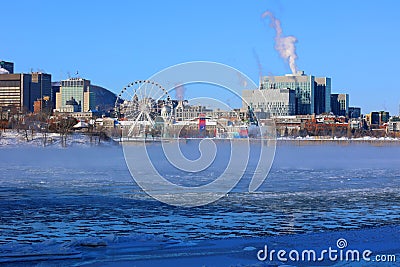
(316, 140)
(12, 138)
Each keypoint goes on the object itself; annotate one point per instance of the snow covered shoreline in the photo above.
(338, 139)
(12, 138)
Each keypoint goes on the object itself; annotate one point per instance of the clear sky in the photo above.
(115, 42)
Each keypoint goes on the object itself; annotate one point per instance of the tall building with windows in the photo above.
(322, 95)
(41, 89)
(340, 104)
(303, 85)
(276, 102)
(77, 89)
(18, 92)
(15, 92)
(55, 88)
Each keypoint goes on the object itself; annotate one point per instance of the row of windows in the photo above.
(3, 102)
(72, 83)
(13, 88)
(10, 83)
(9, 94)
(272, 103)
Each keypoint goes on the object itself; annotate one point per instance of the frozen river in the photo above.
(62, 195)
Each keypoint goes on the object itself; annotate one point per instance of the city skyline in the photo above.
(121, 42)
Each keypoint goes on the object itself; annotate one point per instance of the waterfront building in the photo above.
(322, 95)
(384, 116)
(394, 124)
(340, 104)
(377, 118)
(186, 112)
(303, 85)
(354, 112)
(276, 102)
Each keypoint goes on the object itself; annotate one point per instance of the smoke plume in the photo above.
(180, 92)
(260, 68)
(285, 45)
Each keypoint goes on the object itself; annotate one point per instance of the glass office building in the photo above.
(303, 85)
(340, 104)
(322, 96)
(77, 89)
(277, 102)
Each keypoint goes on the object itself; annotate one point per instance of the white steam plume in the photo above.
(285, 45)
(259, 65)
(180, 92)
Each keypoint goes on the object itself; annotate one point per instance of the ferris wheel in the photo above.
(139, 104)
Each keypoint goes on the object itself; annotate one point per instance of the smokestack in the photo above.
(285, 45)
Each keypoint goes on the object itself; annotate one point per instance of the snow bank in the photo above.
(12, 138)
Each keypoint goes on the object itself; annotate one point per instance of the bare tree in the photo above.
(64, 127)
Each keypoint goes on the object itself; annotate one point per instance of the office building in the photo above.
(377, 118)
(374, 118)
(384, 116)
(394, 124)
(6, 67)
(276, 102)
(322, 95)
(41, 90)
(186, 112)
(15, 92)
(354, 112)
(18, 92)
(302, 84)
(76, 89)
(340, 104)
(312, 94)
(55, 88)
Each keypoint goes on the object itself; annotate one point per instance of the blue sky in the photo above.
(115, 42)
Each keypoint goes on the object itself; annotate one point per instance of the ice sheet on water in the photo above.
(152, 251)
(47, 250)
(88, 194)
